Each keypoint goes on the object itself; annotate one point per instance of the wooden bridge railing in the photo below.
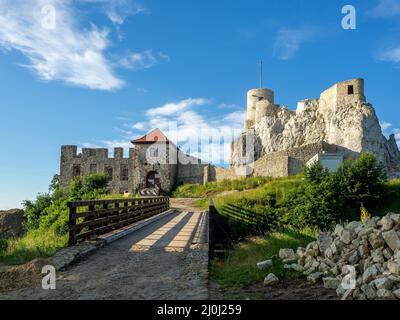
(90, 218)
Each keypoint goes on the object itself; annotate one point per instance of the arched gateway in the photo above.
(153, 180)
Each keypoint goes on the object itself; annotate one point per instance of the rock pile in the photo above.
(360, 261)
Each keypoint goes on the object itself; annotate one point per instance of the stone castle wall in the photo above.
(96, 160)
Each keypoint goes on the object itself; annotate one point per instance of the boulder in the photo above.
(265, 264)
(345, 236)
(369, 291)
(382, 283)
(315, 277)
(392, 239)
(384, 294)
(393, 267)
(397, 293)
(11, 223)
(324, 241)
(287, 254)
(370, 273)
(271, 279)
(386, 223)
(331, 283)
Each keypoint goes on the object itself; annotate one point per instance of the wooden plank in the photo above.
(83, 203)
(107, 219)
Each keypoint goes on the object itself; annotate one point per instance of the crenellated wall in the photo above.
(97, 160)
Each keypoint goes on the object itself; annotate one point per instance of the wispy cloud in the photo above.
(65, 52)
(205, 137)
(385, 125)
(390, 55)
(119, 10)
(142, 60)
(174, 107)
(386, 8)
(289, 41)
(396, 133)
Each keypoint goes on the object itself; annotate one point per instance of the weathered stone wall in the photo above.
(272, 165)
(96, 160)
(163, 162)
(341, 116)
(159, 157)
(190, 169)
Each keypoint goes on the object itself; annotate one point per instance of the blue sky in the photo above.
(108, 71)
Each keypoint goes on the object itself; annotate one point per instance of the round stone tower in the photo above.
(253, 97)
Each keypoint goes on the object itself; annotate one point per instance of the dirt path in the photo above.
(165, 260)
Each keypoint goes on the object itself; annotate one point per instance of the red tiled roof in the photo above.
(153, 136)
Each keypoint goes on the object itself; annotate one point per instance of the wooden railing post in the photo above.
(72, 224)
(211, 229)
(103, 216)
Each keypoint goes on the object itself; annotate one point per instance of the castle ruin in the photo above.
(275, 142)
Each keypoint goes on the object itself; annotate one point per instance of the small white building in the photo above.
(327, 160)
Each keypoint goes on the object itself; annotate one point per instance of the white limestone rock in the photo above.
(265, 264)
(287, 254)
(271, 279)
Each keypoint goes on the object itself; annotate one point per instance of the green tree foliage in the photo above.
(324, 198)
(50, 209)
(362, 180)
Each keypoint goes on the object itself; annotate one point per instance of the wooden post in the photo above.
(72, 224)
(211, 230)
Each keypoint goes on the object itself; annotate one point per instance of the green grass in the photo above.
(211, 188)
(390, 202)
(240, 266)
(35, 244)
(278, 188)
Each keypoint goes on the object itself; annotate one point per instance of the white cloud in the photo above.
(139, 126)
(385, 125)
(142, 60)
(386, 8)
(396, 133)
(390, 55)
(188, 128)
(236, 117)
(172, 108)
(289, 41)
(119, 10)
(66, 53)
(228, 106)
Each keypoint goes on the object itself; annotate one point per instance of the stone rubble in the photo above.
(271, 279)
(360, 261)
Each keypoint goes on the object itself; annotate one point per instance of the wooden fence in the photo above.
(88, 219)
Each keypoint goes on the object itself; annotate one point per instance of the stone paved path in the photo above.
(165, 260)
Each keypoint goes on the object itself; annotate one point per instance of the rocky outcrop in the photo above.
(360, 261)
(337, 118)
(11, 223)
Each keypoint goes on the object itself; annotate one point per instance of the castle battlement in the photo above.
(340, 116)
(260, 102)
(71, 152)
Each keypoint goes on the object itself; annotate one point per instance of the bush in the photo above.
(3, 246)
(320, 200)
(362, 180)
(47, 218)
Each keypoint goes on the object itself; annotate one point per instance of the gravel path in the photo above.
(167, 259)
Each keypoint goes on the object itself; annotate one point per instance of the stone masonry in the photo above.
(153, 162)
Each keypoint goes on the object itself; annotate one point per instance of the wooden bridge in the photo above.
(164, 257)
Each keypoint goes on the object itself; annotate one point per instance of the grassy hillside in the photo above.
(212, 188)
(240, 265)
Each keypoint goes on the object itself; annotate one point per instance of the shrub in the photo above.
(361, 180)
(3, 246)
